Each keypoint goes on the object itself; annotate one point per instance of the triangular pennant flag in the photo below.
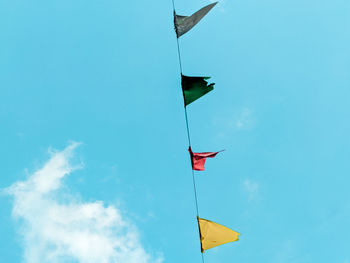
(213, 234)
(183, 24)
(198, 159)
(195, 87)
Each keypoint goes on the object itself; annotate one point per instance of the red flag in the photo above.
(198, 159)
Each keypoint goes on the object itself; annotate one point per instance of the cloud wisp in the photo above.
(244, 120)
(235, 120)
(252, 188)
(56, 227)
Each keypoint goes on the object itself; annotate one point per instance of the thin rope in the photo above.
(187, 128)
(195, 192)
(179, 54)
(188, 131)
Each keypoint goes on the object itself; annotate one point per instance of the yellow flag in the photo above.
(213, 234)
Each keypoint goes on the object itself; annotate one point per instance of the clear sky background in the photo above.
(105, 74)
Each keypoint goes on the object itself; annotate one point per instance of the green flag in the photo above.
(195, 87)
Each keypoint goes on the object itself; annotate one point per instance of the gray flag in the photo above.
(183, 24)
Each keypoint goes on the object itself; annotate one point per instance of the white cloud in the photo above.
(235, 120)
(56, 227)
(252, 188)
(244, 119)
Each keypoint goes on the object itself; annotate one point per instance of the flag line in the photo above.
(188, 135)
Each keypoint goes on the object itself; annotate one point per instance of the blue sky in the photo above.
(105, 74)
